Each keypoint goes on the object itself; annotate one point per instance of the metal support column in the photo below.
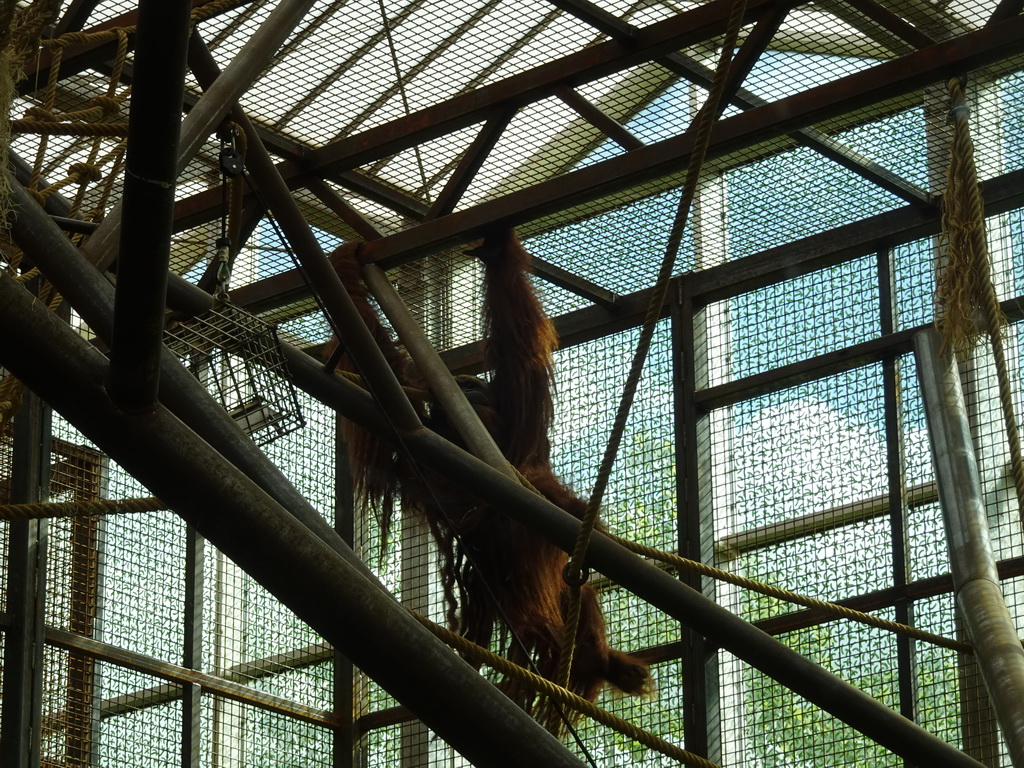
(147, 210)
(976, 583)
(344, 741)
(20, 730)
(211, 109)
(191, 695)
(699, 658)
(891, 394)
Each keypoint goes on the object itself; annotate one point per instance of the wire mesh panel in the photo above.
(788, 322)
(640, 499)
(6, 473)
(131, 731)
(234, 733)
(765, 723)
(808, 483)
(251, 639)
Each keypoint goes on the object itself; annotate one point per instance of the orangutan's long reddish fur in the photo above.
(492, 568)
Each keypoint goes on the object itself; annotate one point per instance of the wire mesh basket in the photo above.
(238, 357)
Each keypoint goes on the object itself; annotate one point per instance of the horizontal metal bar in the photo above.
(794, 374)
(178, 676)
(827, 519)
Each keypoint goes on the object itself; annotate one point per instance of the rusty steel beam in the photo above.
(893, 23)
(472, 160)
(461, 111)
(884, 81)
(341, 208)
(75, 16)
(606, 124)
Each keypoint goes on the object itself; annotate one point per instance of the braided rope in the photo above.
(705, 121)
(833, 609)
(965, 286)
(478, 655)
(11, 392)
(93, 508)
(113, 130)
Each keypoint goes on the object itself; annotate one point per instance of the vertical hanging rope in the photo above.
(704, 121)
(967, 304)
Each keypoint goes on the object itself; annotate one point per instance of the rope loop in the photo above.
(575, 577)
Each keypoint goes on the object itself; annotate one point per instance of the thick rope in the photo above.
(705, 122)
(11, 392)
(44, 128)
(833, 609)
(478, 655)
(94, 508)
(965, 288)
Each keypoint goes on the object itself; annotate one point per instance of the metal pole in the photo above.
(979, 595)
(444, 388)
(326, 591)
(147, 210)
(211, 109)
(351, 328)
(21, 724)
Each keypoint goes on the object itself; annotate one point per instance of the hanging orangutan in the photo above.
(495, 571)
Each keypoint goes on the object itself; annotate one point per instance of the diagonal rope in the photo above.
(704, 122)
(833, 609)
(478, 655)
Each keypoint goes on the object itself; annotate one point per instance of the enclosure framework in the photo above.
(337, 166)
(107, 426)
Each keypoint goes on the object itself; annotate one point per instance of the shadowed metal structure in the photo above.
(779, 431)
